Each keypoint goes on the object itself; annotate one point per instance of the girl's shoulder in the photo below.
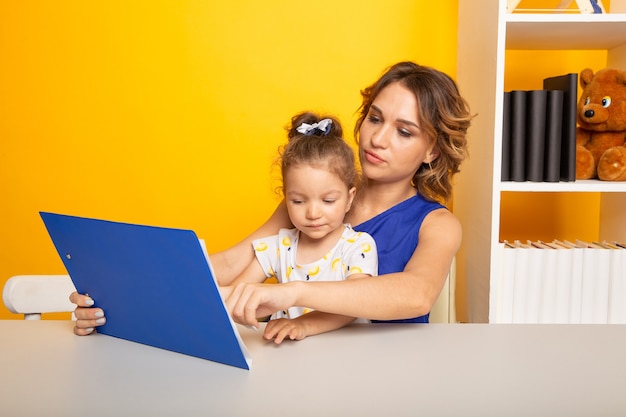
(352, 236)
(285, 237)
(291, 232)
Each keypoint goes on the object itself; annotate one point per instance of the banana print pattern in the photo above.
(355, 252)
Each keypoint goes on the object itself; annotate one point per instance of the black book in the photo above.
(536, 104)
(506, 138)
(518, 135)
(554, 129)
(567, 83)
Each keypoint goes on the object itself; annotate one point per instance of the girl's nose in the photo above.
(313, 211)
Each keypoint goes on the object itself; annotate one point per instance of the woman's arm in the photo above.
(401, 295)
(230, 263)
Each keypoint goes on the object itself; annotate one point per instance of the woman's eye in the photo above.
(329, 201)
(373, 119)
(404, 133)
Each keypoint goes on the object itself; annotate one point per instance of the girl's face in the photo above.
(317, 201)
(391, 144)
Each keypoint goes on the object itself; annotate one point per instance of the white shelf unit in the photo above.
(485, 32)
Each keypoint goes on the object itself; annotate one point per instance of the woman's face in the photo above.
(392, 146)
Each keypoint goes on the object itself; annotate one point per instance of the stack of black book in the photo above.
(539, 132)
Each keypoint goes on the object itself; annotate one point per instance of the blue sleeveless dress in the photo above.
(396, 234)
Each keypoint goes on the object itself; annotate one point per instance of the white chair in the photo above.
(32, 295)
(444, 309)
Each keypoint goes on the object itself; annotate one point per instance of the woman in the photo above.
(411, 134)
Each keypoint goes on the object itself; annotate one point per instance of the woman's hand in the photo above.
(87, 316)
(248, 301)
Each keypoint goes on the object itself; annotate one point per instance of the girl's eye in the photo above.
(296, 201)
(329, 201)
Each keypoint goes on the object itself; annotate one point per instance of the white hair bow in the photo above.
(323, 126)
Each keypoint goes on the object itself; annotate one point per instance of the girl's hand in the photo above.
(284, 328)
(87, 316)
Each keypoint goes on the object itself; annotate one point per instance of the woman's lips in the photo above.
(373, 158)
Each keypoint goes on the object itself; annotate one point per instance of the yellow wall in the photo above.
(169, 112)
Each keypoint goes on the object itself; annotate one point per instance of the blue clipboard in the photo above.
(161, 276)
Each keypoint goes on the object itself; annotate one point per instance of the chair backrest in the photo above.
(32, 295)
(444, 309)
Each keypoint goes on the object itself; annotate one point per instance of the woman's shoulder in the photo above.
(441, 215)
(442, 225)
(420, 200)
(410, 211)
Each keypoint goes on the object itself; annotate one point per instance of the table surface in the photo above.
(361, 370)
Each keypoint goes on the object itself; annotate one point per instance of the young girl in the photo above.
(319, 177)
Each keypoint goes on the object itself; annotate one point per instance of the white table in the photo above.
(363, 370)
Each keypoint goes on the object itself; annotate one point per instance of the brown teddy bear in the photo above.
(601, 133)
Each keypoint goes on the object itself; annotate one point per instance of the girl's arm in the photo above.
(309, 324)
(252, 273)
(406, 294)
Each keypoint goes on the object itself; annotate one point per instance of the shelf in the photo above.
(582, 186)
(481, 200)
(565, 31)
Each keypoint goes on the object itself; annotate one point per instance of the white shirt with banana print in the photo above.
(355, 252)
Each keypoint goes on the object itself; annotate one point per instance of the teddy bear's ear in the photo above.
(585, 77)
(621, 77)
